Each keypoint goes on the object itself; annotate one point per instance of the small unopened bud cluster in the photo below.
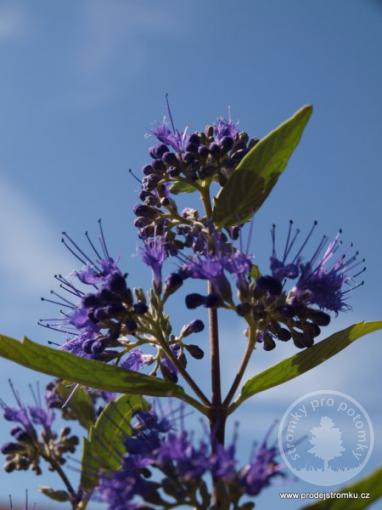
(210, 155)
(276, 319)
(113, 311)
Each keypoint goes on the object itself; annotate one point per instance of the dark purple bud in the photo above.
(194, 300)
(146, 211)
(115, 309)
(15, 431)
(141, 222)
(101, 314)
(203, 151)
(140, 308)
(90, 301)
(147, 232)
(191, 147)
(162, 149)
(193, 327)
(87, 346)
(147, 170)
(194, 139)
(159, 166)
(243, 137)
(302, 340)
(189, 157)
(243, 309)
(238, 155)
(288, 311)
(158, 151)
(107, 297)
(252, 142)
(173, 172)
(11, 448)
(320, 318)
(269, 284)
(131, 325)
(98, 346)
(283, 334)
(195, 351)
(172, 284)
(170, 159)
(268, 342)
(117, 283)
(23, 436)
(212, 300)
(226, 143)
(165, 202)
(9, 467)
(214, 149)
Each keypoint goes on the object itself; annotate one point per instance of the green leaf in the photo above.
(104, 449)
(305, 360)
(182, 187)
(95, 374)
(372, 485)
(56, 495)
(80, 403)
(258, 171)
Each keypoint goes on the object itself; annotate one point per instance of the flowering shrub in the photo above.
(137, 453)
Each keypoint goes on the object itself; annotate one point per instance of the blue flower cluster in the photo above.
(32, 435)
(180, 466)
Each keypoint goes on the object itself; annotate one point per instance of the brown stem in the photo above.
(242, 368)
(217, 413)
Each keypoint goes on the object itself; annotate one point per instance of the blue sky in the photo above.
(81, 82)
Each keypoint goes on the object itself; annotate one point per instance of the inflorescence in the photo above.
(103, 318)
(164, 465)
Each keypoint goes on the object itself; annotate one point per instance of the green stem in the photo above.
(58, 469)
(187, 377)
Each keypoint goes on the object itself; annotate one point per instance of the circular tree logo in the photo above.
(326, 437)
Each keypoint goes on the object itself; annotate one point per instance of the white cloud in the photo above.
(12, 21)
(29, 252)
(112, 29)
(115, 42)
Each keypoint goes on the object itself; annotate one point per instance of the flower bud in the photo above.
(195, 351)
(195, 326)
(194, 300)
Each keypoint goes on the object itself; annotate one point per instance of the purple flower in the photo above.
(328, 281)
(92, 274)
(157, 449)
(134, 361)
(212, 267)
(27, 416)
(261, 469)
(172, 137)
(93, 321)
(223, 462)
(40, 416)
(153, 255)
(323, 279)
(189, 461)
(225, 128)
